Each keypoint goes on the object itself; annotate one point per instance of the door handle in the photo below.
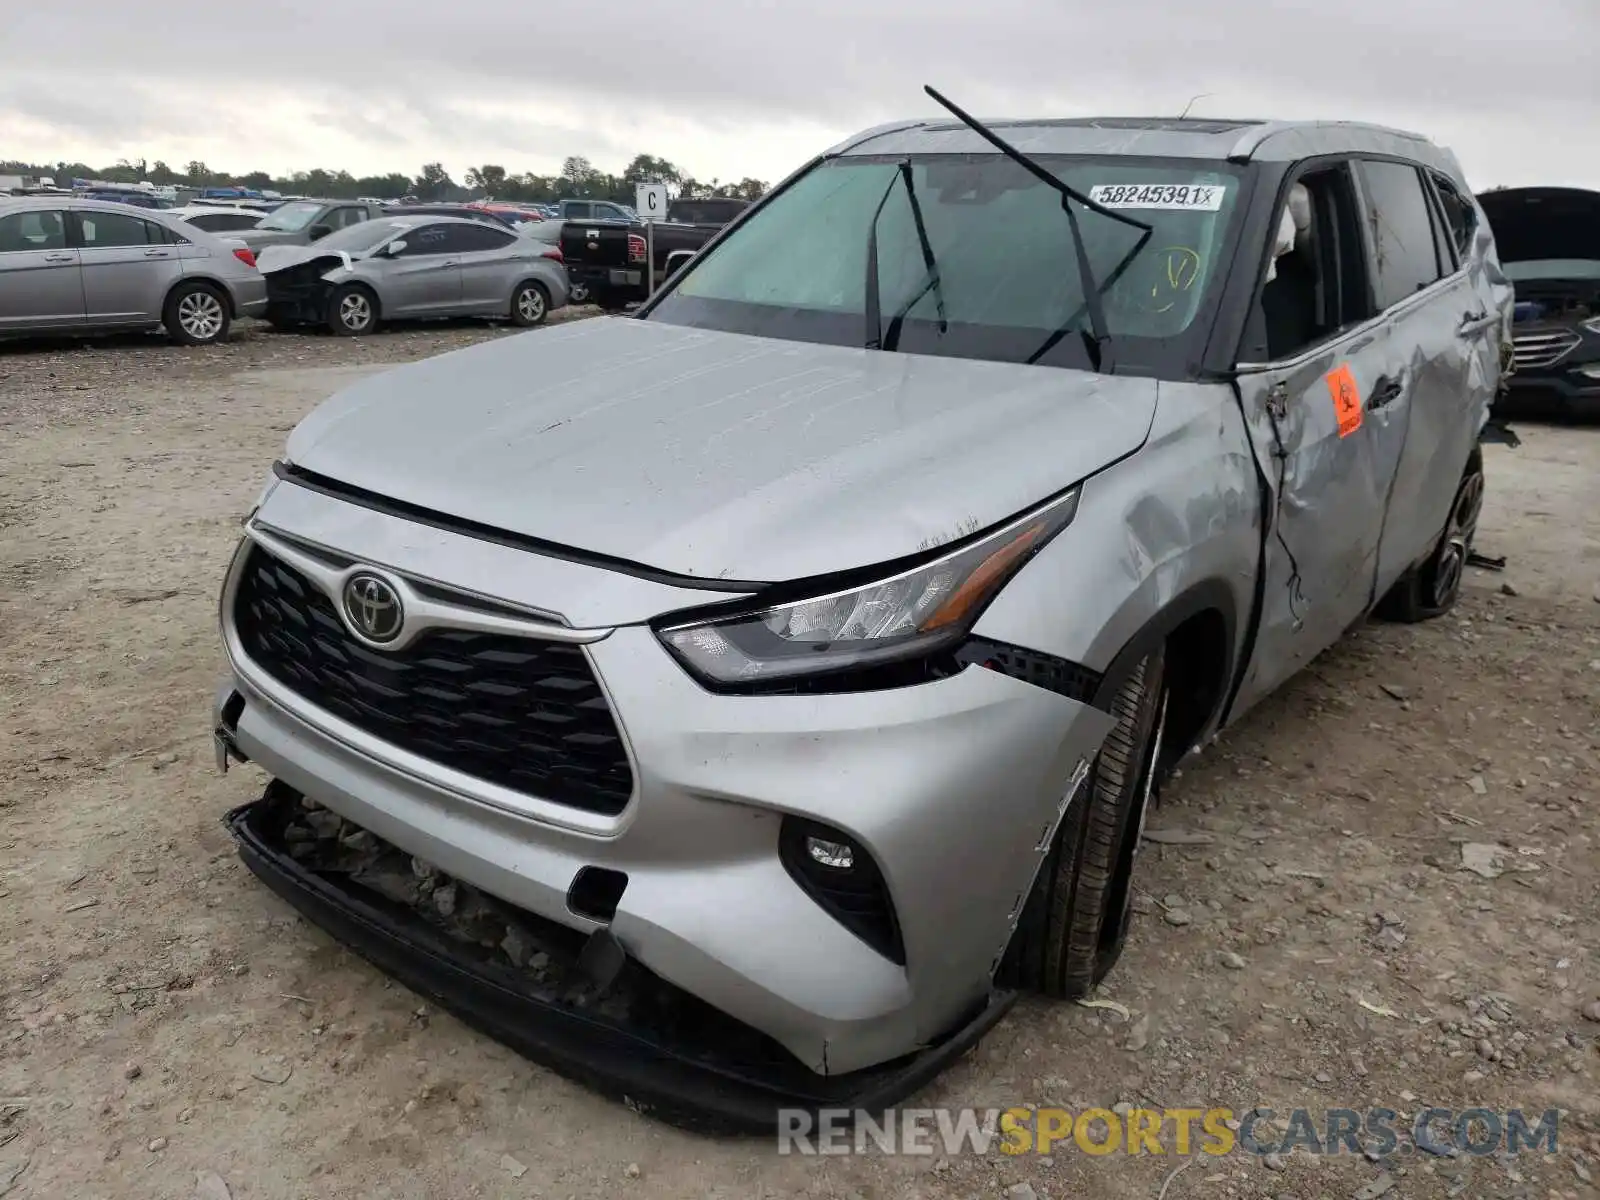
(450, 262)
(1385, 392)
(58, 258)
(157, 253)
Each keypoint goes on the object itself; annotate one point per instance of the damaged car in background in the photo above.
(410, 268)
(736, 705)
(1549, 243)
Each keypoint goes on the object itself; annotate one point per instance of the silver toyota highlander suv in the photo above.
(738, 703)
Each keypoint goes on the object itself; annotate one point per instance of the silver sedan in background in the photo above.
(402, 268)
(84, 266)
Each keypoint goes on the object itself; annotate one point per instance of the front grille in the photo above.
(516, 712)
(1543, 349)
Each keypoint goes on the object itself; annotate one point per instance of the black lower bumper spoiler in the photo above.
(605, 1055)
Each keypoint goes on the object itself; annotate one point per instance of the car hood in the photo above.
(258, 238)
(719, 455)
(1544, 224)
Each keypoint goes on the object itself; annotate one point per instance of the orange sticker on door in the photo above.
(1346, 399)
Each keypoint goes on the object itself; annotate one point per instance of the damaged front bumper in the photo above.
(572, 1002)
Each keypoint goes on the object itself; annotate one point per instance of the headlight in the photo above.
(904, 616)
(1592, 324)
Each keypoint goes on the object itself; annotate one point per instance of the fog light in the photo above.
(837, 855)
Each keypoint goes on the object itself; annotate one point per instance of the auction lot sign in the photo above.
(1168, 1131)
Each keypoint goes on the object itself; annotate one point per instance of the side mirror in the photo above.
(679, 259)
(318, 232)
(394, 248)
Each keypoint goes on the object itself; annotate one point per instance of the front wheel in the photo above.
(1075, 921)
(196, 315)
(352, 310)
(530, 305)
(1432, 589)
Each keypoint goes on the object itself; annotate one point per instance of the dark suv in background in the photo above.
(1549, 240)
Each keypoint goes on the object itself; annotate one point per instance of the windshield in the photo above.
(1001, 251)
(291, 218)
(362, 236)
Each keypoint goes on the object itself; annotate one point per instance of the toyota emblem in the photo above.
(372, 608)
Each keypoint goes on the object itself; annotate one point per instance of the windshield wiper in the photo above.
(1097, 338)
(872, 304)
(930, 282)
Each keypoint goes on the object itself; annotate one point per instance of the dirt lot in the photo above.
(169, 1029)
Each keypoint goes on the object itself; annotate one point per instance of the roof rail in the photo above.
(1253, 138)
(866, 135)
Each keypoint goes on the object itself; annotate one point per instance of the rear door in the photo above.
(41, 283)
(1327, 418)
(1436, 332)
(424, 279)
(487, 266)
(129, 266)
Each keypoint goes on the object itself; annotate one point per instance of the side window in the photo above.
(468, 238)
(33, 230)
(1320, 286)
(103, 231)
(341, 218)
(1459, 215)
(210, 222)
(1400, 227)
(425, 239)
(580, 210)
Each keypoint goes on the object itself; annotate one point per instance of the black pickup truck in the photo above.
(606, 259)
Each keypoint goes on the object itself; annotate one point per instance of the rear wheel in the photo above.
(1432, 589)
(196, 314)
(352, 310)
(1075, 921)
(530, 305)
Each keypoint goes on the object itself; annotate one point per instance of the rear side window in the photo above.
(221, 222)
(467, 238)
(1459, 215)
(100, 231)
(32, 231)
(1400, 228)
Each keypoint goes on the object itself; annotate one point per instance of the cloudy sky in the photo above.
(728, 89)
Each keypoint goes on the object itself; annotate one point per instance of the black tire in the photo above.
(1432, 589)
(1075, 921)
(352, 310)
(579, 293)
(197, 314)
(609, 301)
(530, 305)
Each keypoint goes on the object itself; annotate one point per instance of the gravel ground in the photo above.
(1308, 937)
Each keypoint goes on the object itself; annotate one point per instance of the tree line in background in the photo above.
(579, 179)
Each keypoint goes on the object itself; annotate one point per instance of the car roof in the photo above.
(19, 203)
(1235, 140)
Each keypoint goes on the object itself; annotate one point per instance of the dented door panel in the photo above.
(1329, 487)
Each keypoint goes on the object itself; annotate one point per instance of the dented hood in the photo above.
(721, 455)
(279, 258)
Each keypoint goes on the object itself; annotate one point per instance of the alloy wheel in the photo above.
(355, 312)
(200, 315)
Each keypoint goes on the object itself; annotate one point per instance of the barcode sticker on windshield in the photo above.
(1194, 197)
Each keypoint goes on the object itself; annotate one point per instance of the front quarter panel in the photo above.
(1176, 524)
